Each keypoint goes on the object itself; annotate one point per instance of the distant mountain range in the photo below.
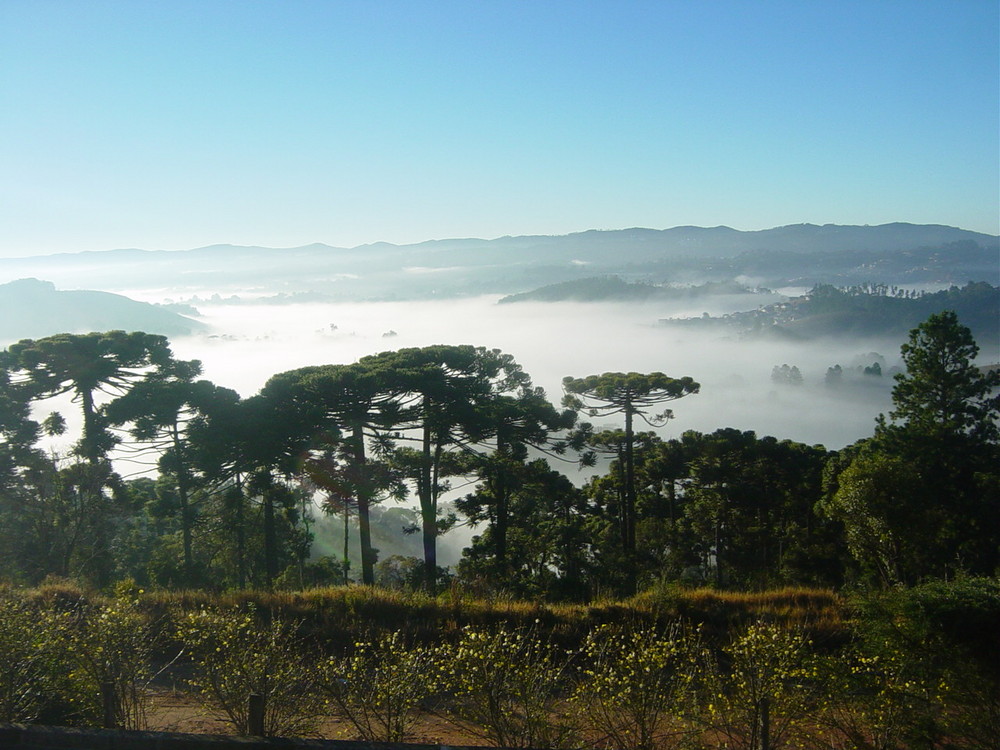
(802, 254)
(30, 308)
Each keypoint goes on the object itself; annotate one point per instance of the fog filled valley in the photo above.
(249, 343)
(246, 344)
(792, 359)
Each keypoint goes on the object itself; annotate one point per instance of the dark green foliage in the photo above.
(364, 403)
(544, 529)
(949, 632)
(942, 391)
(870, 310)
(159, 409)
(447, 395)
(922, 498)
(85, 364)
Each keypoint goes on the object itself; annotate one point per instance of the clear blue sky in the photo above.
(183, 123)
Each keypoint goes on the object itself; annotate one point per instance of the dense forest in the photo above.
(239, 481)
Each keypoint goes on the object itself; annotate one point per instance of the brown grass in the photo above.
(336, 616)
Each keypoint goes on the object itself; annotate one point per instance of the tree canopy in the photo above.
(229, 498)
(942, 389)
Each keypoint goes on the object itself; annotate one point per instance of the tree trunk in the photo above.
(501, 492)
(718, 550)
(91, 427)
(347, 543)
(270, 540)
(364, 493)
(629, 509)
(428, 511)
(182, 500)
(241, 543)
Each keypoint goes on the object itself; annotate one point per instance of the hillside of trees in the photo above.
(798, 255)
(866, 310)
(462, 433)
(29, 307)
(616, 289)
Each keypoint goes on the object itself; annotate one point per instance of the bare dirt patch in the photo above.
(176, 711)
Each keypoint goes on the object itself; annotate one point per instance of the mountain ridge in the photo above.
(506, 265)
(772, 232)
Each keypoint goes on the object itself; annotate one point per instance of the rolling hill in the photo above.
(30, 308)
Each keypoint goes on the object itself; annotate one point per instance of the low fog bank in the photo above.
(249, 343)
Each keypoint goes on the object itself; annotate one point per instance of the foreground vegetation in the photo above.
(913, 668)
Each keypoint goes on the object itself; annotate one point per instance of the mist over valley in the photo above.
(723, 307)
(613, 300)
(249, 343)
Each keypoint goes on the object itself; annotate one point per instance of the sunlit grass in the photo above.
(338, 615)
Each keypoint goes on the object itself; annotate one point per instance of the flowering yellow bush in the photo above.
(764, 689)
(635, 685)
(234, 656)
(112, 644)
(29, 659)
(508, 686)
(877, 699)
(378, 687)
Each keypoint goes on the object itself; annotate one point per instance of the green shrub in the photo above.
(635, 685)
(112, 644)
(880, 699)
(945, 632)
(763, 689)
(29, 659)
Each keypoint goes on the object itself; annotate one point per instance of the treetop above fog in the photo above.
(621, 392)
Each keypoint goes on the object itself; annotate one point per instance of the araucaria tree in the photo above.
(250, 449)
(95, 368)
(512, 424)
(158, 410)
(363, 403)
(86, 365)
(443, 392)
(632, 394)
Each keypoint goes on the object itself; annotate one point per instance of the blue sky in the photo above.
(173, 125)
